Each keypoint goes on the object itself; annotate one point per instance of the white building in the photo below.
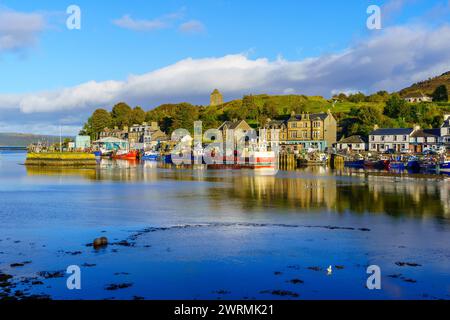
(445, 131)
(397, 139)
(352, 143)
(419, 98)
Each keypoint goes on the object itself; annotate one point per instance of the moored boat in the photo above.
(359, 164)
(397, 165)
(125, 155)
(413, 164)
(150, 156)
(444, 167)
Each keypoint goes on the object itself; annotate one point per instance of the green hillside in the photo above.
(427, 87)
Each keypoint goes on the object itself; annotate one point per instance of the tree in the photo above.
(395, 107)
(122, 115)
(269, 109)
(357, 97)
(365, 118)
(440, 94)
(100, 120)
(248, 104)
(138, 115)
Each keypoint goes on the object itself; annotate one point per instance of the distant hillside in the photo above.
(22, 140)
(427, 87)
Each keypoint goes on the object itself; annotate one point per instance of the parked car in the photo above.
(405, 150)
(390, 151)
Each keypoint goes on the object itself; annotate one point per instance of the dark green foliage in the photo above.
(101, 119)
(122, 115)
(138, 115)
(440, 94)
(396, 107)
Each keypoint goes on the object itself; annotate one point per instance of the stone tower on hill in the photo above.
(216, 98)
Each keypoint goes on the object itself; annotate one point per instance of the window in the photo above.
(395, 138)
(405, 138)
(382, 138)
(372, 138)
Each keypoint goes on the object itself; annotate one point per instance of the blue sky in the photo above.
(199, 45)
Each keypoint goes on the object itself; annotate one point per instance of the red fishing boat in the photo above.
(126, 155)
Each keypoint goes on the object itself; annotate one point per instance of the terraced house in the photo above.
(304, 131)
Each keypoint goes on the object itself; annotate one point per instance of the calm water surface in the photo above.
(205, 234)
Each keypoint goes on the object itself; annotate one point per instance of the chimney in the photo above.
(416, 127)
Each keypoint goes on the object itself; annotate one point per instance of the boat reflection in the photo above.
(307, 190)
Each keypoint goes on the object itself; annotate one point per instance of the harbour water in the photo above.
(221, 234)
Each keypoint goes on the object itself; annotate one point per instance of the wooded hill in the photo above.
(426, 87)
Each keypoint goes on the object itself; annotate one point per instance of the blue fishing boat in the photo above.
(397, 165)
(358, 164)
(167, 158)
(444, 167)
(98, 154)
(150, 156)
(413, 164)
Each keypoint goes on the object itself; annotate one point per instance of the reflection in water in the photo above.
(308, 189)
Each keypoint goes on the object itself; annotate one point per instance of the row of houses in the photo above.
(404, 140)
(307, 131)
(138, 135)
(297, 132)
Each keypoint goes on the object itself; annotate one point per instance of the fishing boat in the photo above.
(125, 155)
(150, 156)
(262, 160)
(382, 164)
(397, 165)
(359, 164)
(444, 167)
(413, 164)
(167, 158)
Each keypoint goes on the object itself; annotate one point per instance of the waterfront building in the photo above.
(445, 131)
(111, 143)
(116, 133)
(140, 135)
(82, 142)
(305, 131)
(421, 140)
(236, 125)
(352, 143)
(397, 139)
(216, 98)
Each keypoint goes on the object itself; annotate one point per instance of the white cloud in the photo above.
(19, 30)
(389, 60)
(192, 27)
(166, 21)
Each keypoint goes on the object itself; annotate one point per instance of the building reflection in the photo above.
(313, 189)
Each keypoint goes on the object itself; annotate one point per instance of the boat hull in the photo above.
(132, 155)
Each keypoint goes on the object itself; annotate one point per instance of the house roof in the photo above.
(312, 116)
(424, 133)
(231, 124)
(392, 131)
(274, 124)
(352, 139)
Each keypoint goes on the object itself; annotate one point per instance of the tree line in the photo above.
(361, 112)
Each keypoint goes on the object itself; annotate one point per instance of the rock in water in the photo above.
(100, 242)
